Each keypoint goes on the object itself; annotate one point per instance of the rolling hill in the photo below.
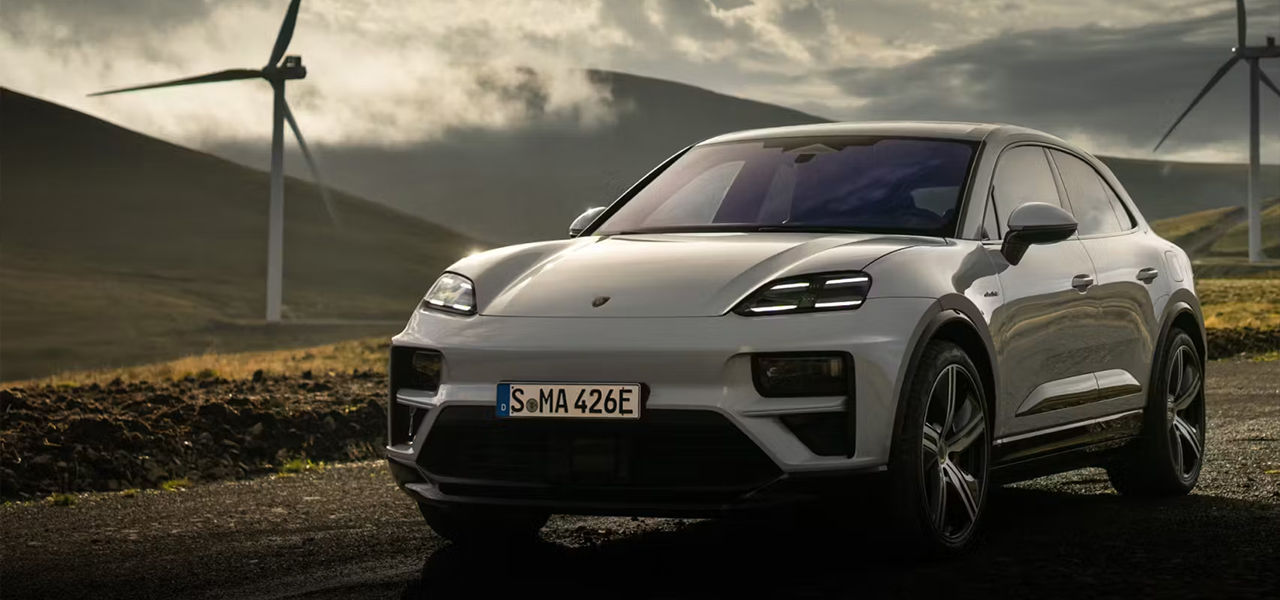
(117, 248)
(528, 184)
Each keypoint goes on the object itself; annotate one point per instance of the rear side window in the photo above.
(1123, 215)
(1087, 193)
(1022, 176)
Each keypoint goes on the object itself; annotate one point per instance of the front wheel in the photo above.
(1167, 458)
(939, 463)
(483, 526)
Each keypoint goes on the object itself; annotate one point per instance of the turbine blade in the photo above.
(1267, 81)
(285, 35)
(1241, 24)
(228, 75)
(311, 164)
(1231, 62)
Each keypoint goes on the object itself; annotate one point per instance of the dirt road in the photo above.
(347, 532)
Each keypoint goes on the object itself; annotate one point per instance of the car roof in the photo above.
(931, 129)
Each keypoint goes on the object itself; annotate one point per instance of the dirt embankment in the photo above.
(1225, 343)
(136, 435)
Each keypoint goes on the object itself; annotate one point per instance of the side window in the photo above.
(1125, 217)
(1087, 193)
(1022, 176)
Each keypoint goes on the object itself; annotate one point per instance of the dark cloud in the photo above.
(1122, 85)
(92, 20)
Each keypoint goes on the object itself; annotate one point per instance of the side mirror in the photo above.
(584, 220)
(1035, 223)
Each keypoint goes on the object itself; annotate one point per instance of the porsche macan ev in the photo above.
(782, 315)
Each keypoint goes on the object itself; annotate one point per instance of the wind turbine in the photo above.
(279, 69)
(1251, 55)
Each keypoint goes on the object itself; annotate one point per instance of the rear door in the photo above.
(1126, 287)
(1042, 329)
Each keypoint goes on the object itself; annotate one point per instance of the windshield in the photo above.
(820, 183)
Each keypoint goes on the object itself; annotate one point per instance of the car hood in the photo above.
(658, 275)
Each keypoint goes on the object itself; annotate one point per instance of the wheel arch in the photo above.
(1182, 311)
(956, 319)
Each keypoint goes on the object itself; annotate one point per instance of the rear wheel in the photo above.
(1167, 458)
(483, 526)
(940, 457)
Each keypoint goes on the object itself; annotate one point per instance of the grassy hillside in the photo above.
(528, 184)
(1220, 234)
(1166, 189)
(1182, 228)
(1236, 240)
(117, 248)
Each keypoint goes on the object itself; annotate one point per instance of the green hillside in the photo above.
(117, 248)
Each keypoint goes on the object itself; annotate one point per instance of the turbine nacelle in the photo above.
(290, 68)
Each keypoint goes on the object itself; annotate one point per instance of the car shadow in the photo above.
(1037, 543)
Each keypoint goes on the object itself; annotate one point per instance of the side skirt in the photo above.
(1063, 448)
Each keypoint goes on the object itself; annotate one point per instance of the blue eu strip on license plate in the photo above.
(569, 400)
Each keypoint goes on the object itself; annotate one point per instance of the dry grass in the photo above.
(363, 354)
(1230, 303)
(174, 485)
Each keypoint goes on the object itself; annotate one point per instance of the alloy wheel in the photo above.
(1184, 409)
(954, 456)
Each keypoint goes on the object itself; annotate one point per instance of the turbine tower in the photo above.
(279, 69)
(1251, 55)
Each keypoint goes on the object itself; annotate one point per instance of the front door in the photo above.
(1043, 328)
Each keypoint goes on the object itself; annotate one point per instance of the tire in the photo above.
(1168, 455)
(484, 526)
(939, 465)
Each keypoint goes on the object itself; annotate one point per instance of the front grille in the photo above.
(664, 453)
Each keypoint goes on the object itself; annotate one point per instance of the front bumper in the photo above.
(694, 369)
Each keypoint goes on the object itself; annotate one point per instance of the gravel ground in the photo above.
(347, 532)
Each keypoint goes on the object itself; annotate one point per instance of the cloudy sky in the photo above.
(1111, 75)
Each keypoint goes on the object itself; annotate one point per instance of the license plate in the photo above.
(572, 400)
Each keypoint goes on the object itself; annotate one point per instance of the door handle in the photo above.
(1148, 274)
(1082, 282)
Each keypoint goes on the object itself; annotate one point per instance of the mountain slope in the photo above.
(529, 184)
(118, 248)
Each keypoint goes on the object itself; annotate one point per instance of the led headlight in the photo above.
(451, 293)
(808, 293)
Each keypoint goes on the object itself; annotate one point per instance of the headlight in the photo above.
(808, 293)
(451, 293)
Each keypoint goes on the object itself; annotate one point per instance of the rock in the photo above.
(10, 399)
(215, 411)
(258, 375)
(256, 430)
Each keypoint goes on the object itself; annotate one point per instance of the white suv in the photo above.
(780, 315)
